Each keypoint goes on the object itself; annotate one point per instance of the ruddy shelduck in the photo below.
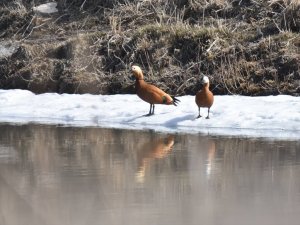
(204, 97)
(150, 93)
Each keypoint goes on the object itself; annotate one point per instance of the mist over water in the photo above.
(65, 175)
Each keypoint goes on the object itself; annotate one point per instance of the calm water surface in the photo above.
(88, 176)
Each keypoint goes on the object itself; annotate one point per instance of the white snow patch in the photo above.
(272, 116)
(46, 8)
(7, 49)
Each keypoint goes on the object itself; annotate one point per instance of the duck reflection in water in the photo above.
(211, 152)
(157, 149)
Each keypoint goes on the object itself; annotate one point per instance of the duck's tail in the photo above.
(175, 100)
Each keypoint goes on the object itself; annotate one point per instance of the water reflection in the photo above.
(210, 157)
(62, 175)
(154, 149)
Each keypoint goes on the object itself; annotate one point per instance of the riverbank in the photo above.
(245, 47)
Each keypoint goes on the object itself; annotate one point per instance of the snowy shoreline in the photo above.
(267, 117)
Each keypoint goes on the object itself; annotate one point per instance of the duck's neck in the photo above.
(139, 83)
(206, 86)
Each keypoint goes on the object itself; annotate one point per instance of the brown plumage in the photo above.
(149, 93)
(204, 97)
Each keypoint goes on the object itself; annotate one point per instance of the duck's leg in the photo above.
(208, 113)
(199, 113)
(153, 109)
(150, 111)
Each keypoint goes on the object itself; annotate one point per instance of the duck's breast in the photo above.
(204, 98)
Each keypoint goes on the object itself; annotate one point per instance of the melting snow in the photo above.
(46, 8)
(271, 116)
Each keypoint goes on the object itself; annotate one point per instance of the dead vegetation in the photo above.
(245, 47)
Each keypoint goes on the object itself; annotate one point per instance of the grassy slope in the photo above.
(246, 47)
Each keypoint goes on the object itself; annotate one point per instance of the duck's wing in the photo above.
(155, 95)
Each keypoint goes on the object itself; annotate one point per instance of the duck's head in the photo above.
(205, 80)
(137, 72)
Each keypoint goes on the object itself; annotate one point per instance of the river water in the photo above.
(88, 176)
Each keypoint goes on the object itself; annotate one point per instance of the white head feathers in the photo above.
(205, 80)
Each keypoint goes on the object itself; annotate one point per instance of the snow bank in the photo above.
(272, 116)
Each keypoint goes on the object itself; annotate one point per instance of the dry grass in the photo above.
(245, 47)
(18, 8)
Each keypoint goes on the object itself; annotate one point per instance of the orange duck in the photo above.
(204, 97)
(149, 93)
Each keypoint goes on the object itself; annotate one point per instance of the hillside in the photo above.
(246, 47)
